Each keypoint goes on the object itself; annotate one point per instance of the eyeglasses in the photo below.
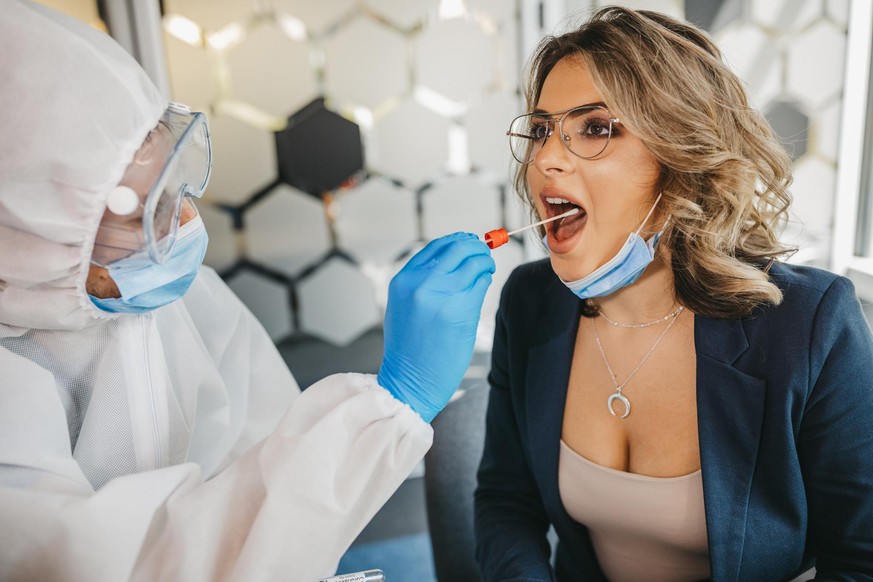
(173, 164)
(585, 132)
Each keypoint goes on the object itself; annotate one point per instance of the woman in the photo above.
(676, 403)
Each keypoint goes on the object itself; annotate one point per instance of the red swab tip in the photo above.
(496, 238)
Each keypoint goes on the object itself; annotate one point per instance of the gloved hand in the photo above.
(433, 309)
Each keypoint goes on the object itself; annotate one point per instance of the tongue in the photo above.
(567, 227)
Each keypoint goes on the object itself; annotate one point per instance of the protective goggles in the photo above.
(143, 211)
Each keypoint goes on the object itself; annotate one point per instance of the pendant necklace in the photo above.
(617, 395)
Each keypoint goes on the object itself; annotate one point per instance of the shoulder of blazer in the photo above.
(803, 289)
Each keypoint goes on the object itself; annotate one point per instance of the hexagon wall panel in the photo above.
(827, 132)
(268, 301)
(290, 84)
(405, 14)
(411, 144)
(190, 71)
(455, 59)
(243, 160)
(756, 59)
(318, 150)
(460, 204)
(785, 16)
(376, 221)
(368, 77)
(487, 123)
(812, 176)
(337, 303)
(820, 50)
(713, 15)
(317, 16)
(790, 124)
(286, 231)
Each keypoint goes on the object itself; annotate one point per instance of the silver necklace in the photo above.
(641, 325)
(617, 395)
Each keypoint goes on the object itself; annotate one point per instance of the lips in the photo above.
(561, 231)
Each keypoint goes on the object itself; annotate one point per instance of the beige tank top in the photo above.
(642, 528)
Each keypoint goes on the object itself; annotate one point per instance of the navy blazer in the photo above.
(785, 424)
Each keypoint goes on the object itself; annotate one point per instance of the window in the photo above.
(852, 248)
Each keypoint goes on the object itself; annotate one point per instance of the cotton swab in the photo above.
(499, 237)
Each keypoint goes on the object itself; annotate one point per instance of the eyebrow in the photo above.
(595, 104)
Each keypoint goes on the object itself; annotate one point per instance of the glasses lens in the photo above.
(586, 131)
(527, 133)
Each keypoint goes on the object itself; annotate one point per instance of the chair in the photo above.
(450, 479)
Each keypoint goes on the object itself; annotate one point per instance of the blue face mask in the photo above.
(622, 269)
(146, 285)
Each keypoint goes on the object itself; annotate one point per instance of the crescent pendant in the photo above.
(621, 398)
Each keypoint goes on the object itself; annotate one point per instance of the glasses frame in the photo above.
(551, 120)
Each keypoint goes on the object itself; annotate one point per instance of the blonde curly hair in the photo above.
(724, 175)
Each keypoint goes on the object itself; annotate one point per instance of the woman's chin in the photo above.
(566, 268)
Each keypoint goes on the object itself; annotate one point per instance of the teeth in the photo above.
(557, 200)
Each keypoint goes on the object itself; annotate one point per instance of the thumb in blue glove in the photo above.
(434, 304)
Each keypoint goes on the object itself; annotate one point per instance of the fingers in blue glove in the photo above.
(434, 247)
(452, 255)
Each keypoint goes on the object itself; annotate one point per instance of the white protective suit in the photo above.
(169, 446)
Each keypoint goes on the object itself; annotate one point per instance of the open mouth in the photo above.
(566, 227)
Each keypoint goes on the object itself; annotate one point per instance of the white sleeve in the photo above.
(287, 509)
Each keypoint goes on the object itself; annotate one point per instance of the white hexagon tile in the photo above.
(318, 17)
(369, 77)
(243, 160)
(815, 64)
(460, 203)
(785, 16)
(376, 221)
(191, 73)
(291, 82)
(286, 230)
(337, 303)
(487, 123)
(756, 58)
(455, 59)
(404, 14)
(410, 144)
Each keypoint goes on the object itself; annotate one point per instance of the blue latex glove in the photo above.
(434, 304)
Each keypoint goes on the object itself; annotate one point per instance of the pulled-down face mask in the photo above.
(621, 270)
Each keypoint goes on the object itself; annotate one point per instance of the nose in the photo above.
(553, 155)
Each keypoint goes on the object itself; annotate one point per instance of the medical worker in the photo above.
(149, 430)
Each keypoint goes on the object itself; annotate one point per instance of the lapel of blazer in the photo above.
(730, 414)
(730, 411)
(548, 373)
